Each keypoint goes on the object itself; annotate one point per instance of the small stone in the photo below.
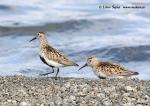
(14, 102)
(72, 98)
(42, 104)
(127, 104)
(107, 103)
(67, 85)
(52, 104)
(87, 98)
(146, 97)
(129, 88)
(85, 90)
(22, 91)
(58, 101)
(23, 104)
(63, 88)
(139, 105)
(9, 100)
(101, 95)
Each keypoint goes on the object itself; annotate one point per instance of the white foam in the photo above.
(43, 11)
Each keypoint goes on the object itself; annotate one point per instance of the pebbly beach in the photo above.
(46, 91)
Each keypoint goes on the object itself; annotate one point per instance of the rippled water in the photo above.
(77, 28)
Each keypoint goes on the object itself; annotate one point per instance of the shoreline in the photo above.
(29, 91)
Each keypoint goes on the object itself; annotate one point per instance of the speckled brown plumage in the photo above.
(107, 69)
(113, 69)
(55, 55)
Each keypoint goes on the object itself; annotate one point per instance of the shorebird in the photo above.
(51, 56)
(107, 70)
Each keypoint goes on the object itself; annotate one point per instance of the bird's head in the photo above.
(40, 35)
(91, 61)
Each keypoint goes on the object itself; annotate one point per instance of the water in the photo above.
(77, 28)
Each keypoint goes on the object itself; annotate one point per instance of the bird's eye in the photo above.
(90, 60)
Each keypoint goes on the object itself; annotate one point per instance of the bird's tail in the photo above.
(75, 64)
(129, 73)
(135, 73)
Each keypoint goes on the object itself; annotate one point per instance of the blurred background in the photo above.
(78, 28)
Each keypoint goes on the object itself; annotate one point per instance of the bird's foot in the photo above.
(101, 77)
(56, 78)
(44, 74)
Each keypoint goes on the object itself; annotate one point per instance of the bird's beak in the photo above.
(33, 39)
(83, 66)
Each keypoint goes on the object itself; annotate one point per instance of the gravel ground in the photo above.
(27, 91)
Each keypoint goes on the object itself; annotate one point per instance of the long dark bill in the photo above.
(33, 39)
(83, 66)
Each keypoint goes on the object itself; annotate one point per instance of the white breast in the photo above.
(51, 62)
(99, 73)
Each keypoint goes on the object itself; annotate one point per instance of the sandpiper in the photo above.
(51, 56)
(107, 70)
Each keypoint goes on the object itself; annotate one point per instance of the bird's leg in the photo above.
(48, 72)
(57, 73)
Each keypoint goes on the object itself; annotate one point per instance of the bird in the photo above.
(51, 56)
(105, 70)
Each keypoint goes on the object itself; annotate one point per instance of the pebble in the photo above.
(23, 104)
(72, 97)
(129, 88)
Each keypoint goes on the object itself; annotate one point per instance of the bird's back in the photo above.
(114, 69)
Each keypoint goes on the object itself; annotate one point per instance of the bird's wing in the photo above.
(115, 69)
(54, 54)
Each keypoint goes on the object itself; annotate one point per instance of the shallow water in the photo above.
(120, 36)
